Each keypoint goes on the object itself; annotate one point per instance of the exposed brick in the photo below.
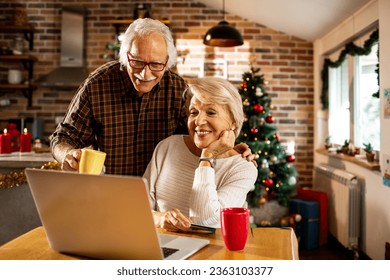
(285, 61)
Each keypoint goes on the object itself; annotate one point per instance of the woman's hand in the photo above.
(172, 220)
(224, 143)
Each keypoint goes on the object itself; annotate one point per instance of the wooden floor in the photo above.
(333, 250)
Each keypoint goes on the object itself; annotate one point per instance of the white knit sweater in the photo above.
(176, 181)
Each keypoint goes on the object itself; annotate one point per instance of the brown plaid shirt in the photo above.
(107, 112)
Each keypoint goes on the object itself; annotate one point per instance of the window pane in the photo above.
(367, 113)
(339, 115)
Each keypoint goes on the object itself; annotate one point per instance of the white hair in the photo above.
(144, 27)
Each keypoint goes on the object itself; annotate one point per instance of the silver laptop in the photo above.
(102, 217)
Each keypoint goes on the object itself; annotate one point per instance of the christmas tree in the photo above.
(276, 178)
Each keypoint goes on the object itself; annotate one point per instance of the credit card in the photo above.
(202, 228)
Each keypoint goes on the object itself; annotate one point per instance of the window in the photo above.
(354, 114)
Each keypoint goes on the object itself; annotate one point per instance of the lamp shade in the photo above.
(223, 35)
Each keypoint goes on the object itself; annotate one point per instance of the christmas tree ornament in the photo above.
(262, 121)
(290, 158)
(270, 119)
(273, 158)
(269, 183)
(254, 130)
(284, 221)
(262, 200)
(258, 92)
(258, 108)
(246, 102)
(292, 181)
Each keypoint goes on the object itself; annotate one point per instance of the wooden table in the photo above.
(265, 244)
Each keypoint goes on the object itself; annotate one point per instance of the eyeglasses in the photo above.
(139, 64)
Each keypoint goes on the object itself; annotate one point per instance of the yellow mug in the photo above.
(91, 161)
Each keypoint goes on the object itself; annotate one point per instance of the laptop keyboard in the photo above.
(168, 251)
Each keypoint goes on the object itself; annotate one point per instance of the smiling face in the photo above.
(151, 48)
(206, 122)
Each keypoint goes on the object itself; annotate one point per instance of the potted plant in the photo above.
(345, 147)
(328, 144)
(112, 51)
(369, 152)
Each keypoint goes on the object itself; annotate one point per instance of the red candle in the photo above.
(5, 143)
(15, 137)
(25, 141)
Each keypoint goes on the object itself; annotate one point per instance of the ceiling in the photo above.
(306, 19)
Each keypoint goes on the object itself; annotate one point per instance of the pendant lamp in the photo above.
(223, 35)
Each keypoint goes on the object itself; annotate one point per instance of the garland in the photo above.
(353, 50)
(17, 178)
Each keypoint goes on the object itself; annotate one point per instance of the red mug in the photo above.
(234, 227)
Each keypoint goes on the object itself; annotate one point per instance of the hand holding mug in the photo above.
(71, 160)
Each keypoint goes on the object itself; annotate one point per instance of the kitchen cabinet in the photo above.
(27, 61)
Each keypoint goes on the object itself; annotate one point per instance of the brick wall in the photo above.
(285, 61)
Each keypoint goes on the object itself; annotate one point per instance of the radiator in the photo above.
(344, 203)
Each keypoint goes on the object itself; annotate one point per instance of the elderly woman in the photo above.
(191, 177)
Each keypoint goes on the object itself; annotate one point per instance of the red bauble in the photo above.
(243, 85)
(268, 183)
(254, 130)
(290, 158)
(258, 108)
(270, 119)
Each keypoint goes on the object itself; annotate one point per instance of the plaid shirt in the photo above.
(107, 113)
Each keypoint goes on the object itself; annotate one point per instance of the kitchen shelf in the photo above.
(27, 90)
(27, 30)
(26, 60)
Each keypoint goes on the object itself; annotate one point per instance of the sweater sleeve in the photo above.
(150, 176)
(207, 198)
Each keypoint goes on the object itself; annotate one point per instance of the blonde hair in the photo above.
(212, 90)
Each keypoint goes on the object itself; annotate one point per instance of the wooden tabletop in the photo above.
(265, 244)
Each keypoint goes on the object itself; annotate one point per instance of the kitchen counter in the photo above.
(17, 208)
(18, 161)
